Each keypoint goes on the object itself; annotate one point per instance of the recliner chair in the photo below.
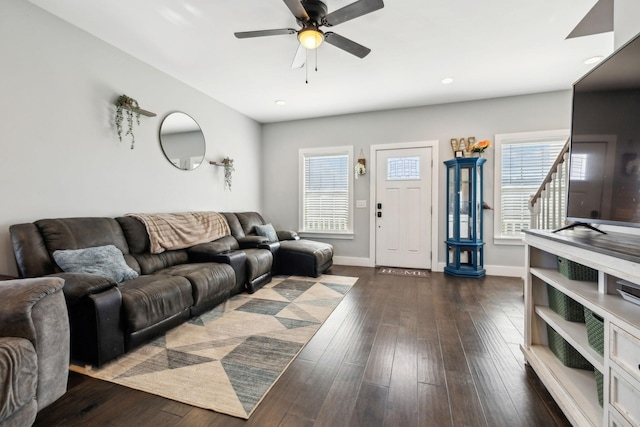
(34, 348)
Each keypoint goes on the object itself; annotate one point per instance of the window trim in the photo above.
(499, 140)
(325, 151)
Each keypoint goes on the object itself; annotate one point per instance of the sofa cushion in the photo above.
(104, 261)
(135, 233)
(234, 224)
(209, 280)
(249, 220)
(80, 233)
(18, 375)
(267, 231)
(150, 263)
(147, 300)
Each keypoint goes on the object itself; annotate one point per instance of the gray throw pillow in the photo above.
(104, 261)
(267, 231)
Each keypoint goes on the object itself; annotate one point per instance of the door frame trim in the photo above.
(435, 241)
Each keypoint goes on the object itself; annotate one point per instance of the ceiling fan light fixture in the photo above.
(310, 37)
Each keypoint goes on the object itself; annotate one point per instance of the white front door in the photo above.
(403, 207)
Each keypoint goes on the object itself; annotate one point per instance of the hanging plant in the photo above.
(228, 170)
(132, 108)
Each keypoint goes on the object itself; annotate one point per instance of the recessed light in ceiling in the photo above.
(281, 102)
(446, 81)
(593, 60)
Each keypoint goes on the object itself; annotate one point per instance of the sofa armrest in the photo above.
(271, 246)
(17, 298)
(251, 241)
(80, 285)
(35, 309)
(287, 235)
(204, 251)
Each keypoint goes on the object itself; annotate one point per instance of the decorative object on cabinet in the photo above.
(361, 166)
(464, 244)
(182, 141)
(480, 147)
(227, 163)
(610, 340)
(131, 106)
(455, 146)
(468, 147)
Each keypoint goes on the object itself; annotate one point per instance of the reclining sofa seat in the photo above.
(252, 265)
(108, 318)
(292, 255)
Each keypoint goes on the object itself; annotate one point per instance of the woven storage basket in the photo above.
(575, 271)
(599, 384)
(566, 307)
(568, 355)
(595, 330)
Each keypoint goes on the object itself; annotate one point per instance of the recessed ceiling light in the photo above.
(446, 81)
(281, 102)
(593, 60)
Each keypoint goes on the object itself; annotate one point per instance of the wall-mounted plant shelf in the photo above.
(216, 163)
(140, 111)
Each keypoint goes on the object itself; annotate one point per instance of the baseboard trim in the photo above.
(496, 270)
(492, 270)
(505, 271)
(353, 261)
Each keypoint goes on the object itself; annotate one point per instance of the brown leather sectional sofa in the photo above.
(108, 318)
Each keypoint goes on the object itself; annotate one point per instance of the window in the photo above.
(522, 162)
(325, 187)
(403, 168)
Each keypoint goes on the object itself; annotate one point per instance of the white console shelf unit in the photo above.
(615, 256)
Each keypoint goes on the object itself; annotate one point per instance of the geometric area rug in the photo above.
(227, 359)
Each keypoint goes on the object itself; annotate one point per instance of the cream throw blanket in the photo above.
(182, 230)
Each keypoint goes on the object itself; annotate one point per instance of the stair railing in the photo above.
(547, 206)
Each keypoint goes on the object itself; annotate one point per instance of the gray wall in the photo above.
(60, 152)
(625, 21)
(482, 119)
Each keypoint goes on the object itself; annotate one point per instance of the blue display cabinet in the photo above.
(465, 245)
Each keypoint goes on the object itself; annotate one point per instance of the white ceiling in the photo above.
(491, 48)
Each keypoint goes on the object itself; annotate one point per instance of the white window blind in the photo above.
(524, 163)
(326, 193)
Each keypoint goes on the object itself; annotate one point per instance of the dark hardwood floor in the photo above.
(398, 351)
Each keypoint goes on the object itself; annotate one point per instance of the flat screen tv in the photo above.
(604, 178)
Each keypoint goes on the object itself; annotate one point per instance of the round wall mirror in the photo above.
(182, 141)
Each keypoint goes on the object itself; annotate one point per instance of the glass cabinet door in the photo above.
(465, 203)
(478, 202)
(451, 200)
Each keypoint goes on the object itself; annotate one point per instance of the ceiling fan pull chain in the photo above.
(306, 66)
(316, 60)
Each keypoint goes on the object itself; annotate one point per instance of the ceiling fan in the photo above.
(310, 16)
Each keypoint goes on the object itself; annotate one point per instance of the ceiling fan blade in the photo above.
(261, 33)
(300, 58)
(297, 9)
(351, 11)
(346, 44)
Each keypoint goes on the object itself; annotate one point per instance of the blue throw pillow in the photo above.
(104, 261)
(267, 231)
